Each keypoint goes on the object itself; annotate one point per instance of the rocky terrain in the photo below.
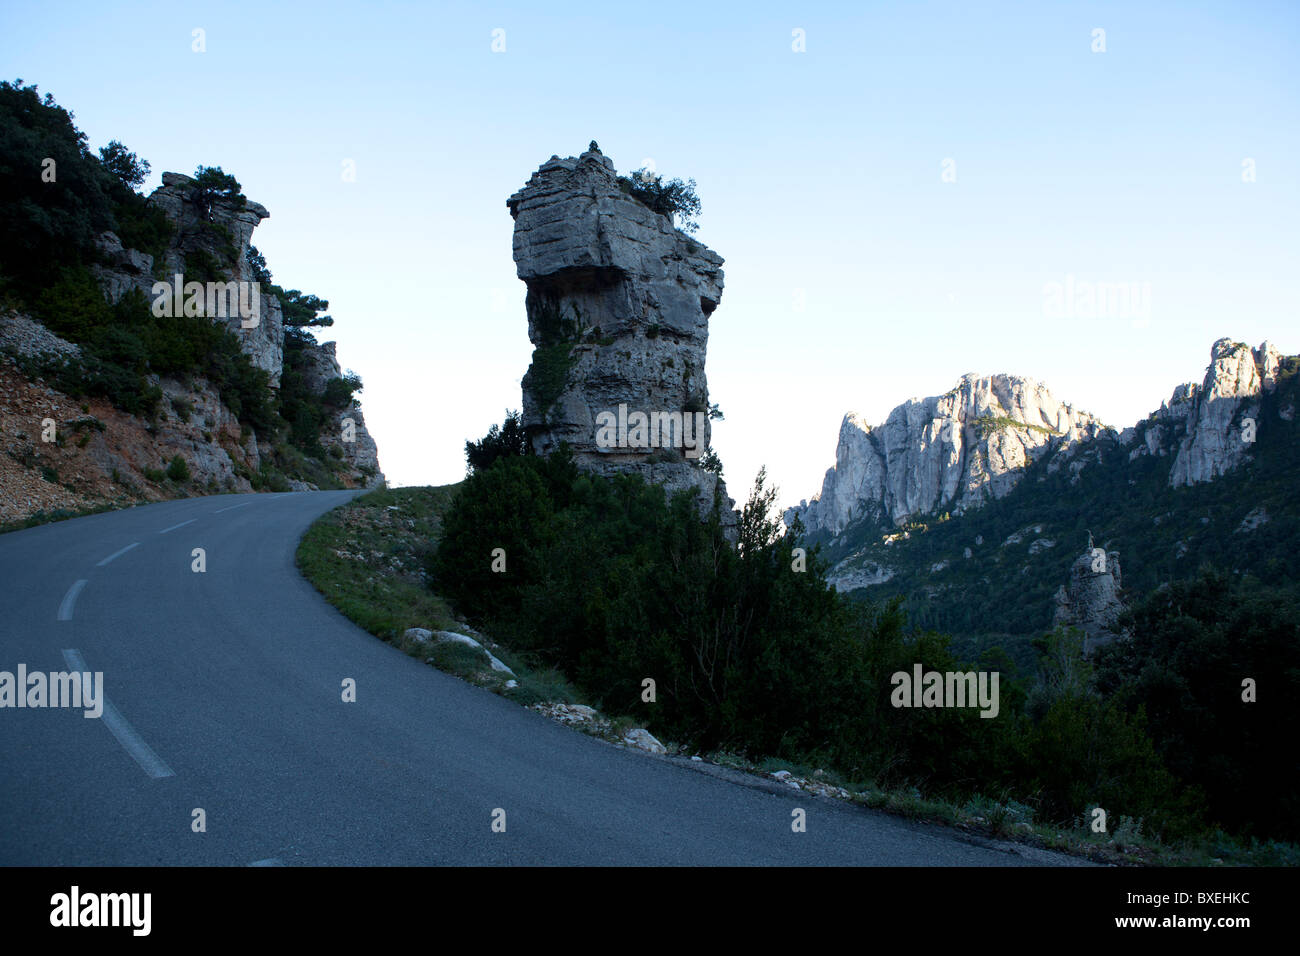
(956, 451)
(221, 231)
(63, 454)
(945, 453)
(99, 455)
(618, 311)
(986, 551)
(1204, 426)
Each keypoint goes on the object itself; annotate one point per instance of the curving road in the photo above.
(225, 692)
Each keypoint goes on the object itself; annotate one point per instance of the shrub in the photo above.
(548, 373)
(338, 391)
(47, 226)
(1193, 644)
(178, 470)
(671, 198)
(128, 168)
(501, 440)
(609, 581)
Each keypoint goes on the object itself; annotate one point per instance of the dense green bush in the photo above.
(211, 184)
(610, 582)
(47, 225)
(1195, 642)
(339, 391)
(178, 470)
(507, 439)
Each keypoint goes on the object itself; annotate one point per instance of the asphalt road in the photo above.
(226, 696)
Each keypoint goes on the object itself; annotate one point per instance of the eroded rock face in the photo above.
(219, 236)
(360, 452)
(195, 424)
(618, 311)
(1091, 600)
(122, 269)
(944, 453)
(1206, 428)
(222, 235)
(1213, 417)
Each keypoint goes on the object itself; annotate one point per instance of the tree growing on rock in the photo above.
(211, 184)
(672, 198)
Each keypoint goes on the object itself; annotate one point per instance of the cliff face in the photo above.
(944, 453)
(361, 454)
(219, 235)
(919, 463)
(618, 311)
(104, 455)
(1205, 427)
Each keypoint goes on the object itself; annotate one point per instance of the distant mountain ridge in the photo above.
(956, 451)
(948, 452)
(1207, 478)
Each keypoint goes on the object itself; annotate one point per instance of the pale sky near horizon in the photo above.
(856, 277)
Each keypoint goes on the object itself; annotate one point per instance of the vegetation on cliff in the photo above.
(59, 199)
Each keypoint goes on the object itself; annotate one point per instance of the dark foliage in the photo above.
(501, 440)
(672, 198)
(1195, 643)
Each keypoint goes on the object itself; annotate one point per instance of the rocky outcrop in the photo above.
(945, 453)
(209, 237)
(120, 269)
(1091, 600)
(351, 444)
(117, 456)
(221, 232)
(1212, 418)
(618, 311)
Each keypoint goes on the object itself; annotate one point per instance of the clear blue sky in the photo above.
(820, 175)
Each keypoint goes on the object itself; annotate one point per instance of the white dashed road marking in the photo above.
(118, 554)
(175, 526)
(121, 728)
(69, 599)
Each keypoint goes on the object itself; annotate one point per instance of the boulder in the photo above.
(454, 638)
(643, 740)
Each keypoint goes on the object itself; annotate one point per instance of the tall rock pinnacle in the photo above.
(618, 312)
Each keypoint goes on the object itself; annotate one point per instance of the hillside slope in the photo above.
(145, 351)
(1208, 478)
